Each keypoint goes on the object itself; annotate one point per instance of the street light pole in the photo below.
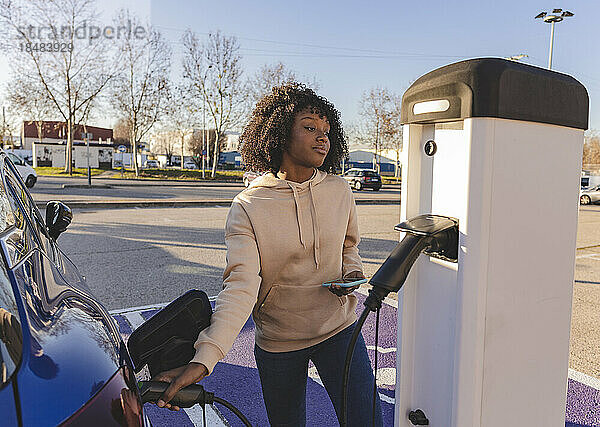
(551, 46)
(203, 135)
(553, 17)
(86, 138)
(204, 138)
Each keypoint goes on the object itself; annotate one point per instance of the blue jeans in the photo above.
(283, 378)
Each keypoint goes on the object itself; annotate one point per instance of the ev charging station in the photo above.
(497, 146)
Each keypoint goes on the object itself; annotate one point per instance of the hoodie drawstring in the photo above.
(315, 222)
(298, 215)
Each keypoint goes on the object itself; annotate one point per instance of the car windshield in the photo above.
(370, 173)
(15, 159)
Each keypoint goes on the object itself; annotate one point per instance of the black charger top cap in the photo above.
(496, 88)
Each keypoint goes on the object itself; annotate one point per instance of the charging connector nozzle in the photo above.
(151, 391)
(432, 234)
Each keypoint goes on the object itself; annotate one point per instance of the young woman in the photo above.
(293, 229)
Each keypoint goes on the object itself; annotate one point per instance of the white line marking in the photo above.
(314, 375)
(385, 398)
(382, 349)
(147, 307)
(140, 308)
(584, 379)
(195, 415)
(135, 319)
(587, 256)
(386, 376)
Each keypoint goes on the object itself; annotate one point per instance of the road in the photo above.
(137, 257)
(51, 188)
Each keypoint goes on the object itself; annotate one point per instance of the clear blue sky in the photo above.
(351, 46)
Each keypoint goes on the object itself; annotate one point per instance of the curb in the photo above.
(118, 204)
(164, 182)
(86, 186)
(161, 183)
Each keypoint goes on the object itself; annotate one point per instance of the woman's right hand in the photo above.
(179, 378)
(350, 277)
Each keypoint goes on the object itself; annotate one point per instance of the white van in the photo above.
(27, 172)
(590, 180)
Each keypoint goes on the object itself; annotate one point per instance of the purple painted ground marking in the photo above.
(236, 380)
(583, 405)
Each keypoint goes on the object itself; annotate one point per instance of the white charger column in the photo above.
(485, 342)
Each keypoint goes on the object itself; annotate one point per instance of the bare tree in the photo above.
(138, 93)
(375, 107)
(60, 43)
(122, 132)
(214, 73)
(392, 130)
(8, 127)
(197, 145)
(164, 141)
(182, 116)
(269, 76)
(591, 150)
(28, 99)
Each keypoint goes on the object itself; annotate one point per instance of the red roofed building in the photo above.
(51, 148)
(55, 133)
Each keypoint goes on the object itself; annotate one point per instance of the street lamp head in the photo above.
(553, 18)
(517, 57)
(556, 15)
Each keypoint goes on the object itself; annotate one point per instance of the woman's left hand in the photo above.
(350, 277)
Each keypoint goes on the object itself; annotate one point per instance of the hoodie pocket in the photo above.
(294, 312)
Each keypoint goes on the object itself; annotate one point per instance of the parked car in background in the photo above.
(27, 172)
(190, 164)
(589, 195)
(151, 164)
(363, 178)
(62, 357)
(590, 181)
(249, 176)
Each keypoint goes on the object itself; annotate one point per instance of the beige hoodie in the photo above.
(284, 239)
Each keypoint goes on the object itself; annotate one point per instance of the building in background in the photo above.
(230, 160)
(51, 148)
(165, 147)
(366, 159)
(55, 132)
(232, 141)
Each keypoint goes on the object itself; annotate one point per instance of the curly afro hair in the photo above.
(268, 132)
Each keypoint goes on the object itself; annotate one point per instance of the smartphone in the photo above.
(348, 284)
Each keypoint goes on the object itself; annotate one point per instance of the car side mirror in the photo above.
(58, 218)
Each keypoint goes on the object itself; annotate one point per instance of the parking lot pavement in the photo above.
(585, 330)
(153, 255)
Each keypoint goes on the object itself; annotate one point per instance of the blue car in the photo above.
(62, 359)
